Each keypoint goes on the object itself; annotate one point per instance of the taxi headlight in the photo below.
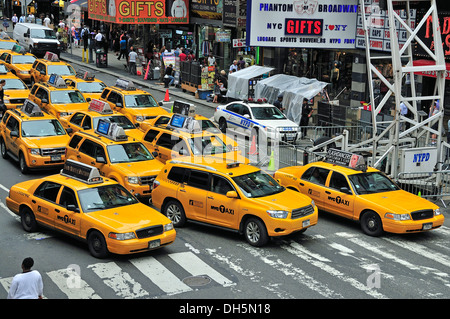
(397, 216)
(133, 179)
(313, 204)
(278, 213)
(35, 151)
(437, 212)
(168, 227)
(122, 236)
(140, 118)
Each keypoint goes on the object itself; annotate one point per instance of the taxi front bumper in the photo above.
(38, 161)
(410, 226)
(282, 227)
(131, 246)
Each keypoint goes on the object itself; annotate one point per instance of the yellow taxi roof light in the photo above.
(31, 109)
(346, 159)
(125, 84)
(184, 123)
(233, 165)
(82, 172)
(85, 75)
(111, 130)
(183, 108)
(57, 81)
(100, 107)
(50, 56)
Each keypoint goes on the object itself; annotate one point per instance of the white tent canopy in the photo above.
(238, 81)
(294, 90)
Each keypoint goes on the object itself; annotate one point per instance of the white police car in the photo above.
(260, 119)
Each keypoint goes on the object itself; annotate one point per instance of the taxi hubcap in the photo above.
(173, 213)
(253, 232)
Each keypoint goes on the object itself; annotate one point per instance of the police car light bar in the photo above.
(346, 159)
(85, 75)
(50, 56)
(111, 130)
(125, 85)
(82, 172)
(57, 81)
(100, 107)
(31, 109)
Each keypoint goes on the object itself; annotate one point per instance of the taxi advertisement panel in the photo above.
(139, 12)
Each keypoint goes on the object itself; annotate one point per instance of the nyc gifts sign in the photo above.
(302, 23)
(139, 11)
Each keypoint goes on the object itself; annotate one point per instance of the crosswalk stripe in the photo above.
(194, 265)
(121, 282)
(160, 275)
(71, 284)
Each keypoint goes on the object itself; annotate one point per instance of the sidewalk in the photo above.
(117, 68)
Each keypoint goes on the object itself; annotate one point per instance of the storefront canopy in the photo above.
(238, 81)
(294, 90)
(431, 73)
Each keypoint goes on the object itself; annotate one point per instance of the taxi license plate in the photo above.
(427, 226)
(154, 244)
(306, 223)
(55, 158)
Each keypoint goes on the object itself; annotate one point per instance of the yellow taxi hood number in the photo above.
(399, 202)
(129, 218)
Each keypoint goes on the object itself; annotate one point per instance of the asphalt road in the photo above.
(333, 260)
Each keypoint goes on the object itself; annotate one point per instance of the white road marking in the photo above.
(71, 284)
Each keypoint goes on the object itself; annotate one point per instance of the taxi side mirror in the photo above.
(14, 134)
(72, 208)
(232, 194)
(69, 130)
(155, 154)
(100, 160)
(119, 104)
(345, 190)
(44, 101)
(88, 99)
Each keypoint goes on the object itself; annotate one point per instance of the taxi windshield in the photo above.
(105, 197)
(129, 152)
(371, 183)
(121, 120)
(91, 87)
(140, 100)
(61, 69)
(258, 184)
(267, 113)
(14, 84)
(22, 59)
(66, 97)
(42, 128)
(207, 145)
(6, 45)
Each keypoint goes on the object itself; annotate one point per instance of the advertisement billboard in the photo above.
(305, 23)
(139, 11)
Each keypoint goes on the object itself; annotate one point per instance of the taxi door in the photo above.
(339, 196)
(220, 209)
(312, 184)
(192, 194)
(12, 125)
(68, 216)
(44, 202)
(88, 153)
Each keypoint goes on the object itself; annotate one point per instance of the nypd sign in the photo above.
(305, 23)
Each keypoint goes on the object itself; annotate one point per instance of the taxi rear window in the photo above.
(176, 174)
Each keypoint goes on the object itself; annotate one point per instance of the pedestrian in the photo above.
(98, 40)
(211, 59)
(28, 284)
(22, 18)
(14, 20)
(434, 109)
(233, 67)
(5, 24)
(306, 114)
(404, 112)
(241, 63)
(132, 57)
(2, 91)
(279, 102)
(168, 76)
(47, 21)
(123, 48)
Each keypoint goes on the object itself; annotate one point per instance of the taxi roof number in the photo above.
(82, 172)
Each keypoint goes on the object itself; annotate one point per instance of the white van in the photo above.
(36, 38)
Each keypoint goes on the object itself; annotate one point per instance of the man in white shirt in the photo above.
(132, 57)
(28, 284)
(47, 21)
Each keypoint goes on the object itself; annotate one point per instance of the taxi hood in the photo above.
(399, 202)
(145, 111)
(130, 217)
(47, 141)
(286, 200)
(142, 168)
(71, 107)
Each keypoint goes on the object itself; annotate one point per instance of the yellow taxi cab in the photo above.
(80, 203)
(15, 90)
(42, 69)
(87, 84)
(117, 156)
(33, 138)
(56, 98)
(178, 135)
(6, 42)
(87, 121)
(138, 105)
(231, 195)
(19, 62)
(345, 186)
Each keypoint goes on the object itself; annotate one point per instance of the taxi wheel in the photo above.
(97, 245)
(28, 220)
(255, 232)
(3, 149)
(175, 212)
(371, 224)
(23, 164)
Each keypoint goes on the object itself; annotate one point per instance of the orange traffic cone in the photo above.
(253, 147)
(166, 97)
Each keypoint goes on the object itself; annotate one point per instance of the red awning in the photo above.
(431, 74)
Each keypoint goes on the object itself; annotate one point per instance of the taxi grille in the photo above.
(146, 180)
(301, 212)
(53, 151)
(17, 101)
(422, 214)
(149, 231)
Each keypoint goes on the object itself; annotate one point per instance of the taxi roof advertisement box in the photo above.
(139, 11)
(305, 23)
